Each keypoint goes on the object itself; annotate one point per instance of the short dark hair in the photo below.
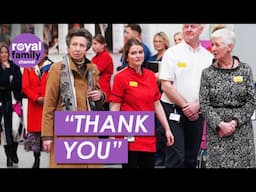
(134, 27)
(82, 32)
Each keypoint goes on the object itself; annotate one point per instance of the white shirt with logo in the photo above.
(183, 65)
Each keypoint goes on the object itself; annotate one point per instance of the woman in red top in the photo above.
(104, 62)
(33, 85)
(135, 89)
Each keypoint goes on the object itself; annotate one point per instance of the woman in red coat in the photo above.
(33, 85)
(104, 62)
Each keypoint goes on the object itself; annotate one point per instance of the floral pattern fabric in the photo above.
(226, 94)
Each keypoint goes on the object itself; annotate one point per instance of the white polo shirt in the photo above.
(183, 65)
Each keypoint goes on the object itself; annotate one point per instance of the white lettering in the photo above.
(122, 123)
(108, 124)
(14, 45)
(69, 148)
(92, 151)
(36, 47)
(79, 122)
(26, 62)
(20, 46)
(107, 151)
(95, 123)
(139, 123)
(27, 46)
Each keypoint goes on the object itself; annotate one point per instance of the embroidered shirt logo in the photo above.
(133, 84)
(181, 64)
(238, 79)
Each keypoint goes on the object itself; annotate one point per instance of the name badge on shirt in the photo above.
(130, 138)
(238, 79)
(181, 64)
(174, 117)
(133, 83)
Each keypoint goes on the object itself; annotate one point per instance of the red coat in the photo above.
(104, 62)
(34, 86)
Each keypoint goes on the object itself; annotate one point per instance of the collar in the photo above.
(134, 72)
(190, 48)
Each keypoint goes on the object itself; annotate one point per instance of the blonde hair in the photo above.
(164, 37)
(217, 27)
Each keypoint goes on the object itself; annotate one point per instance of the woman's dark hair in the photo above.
(128, 45)
(100, 38)
(82, 32)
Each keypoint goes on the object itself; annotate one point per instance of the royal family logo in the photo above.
(26, 50)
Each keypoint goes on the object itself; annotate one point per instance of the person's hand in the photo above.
(40, 100)
(47, 145)
(234, 123)
(193, 117)
(191, 110)
(226, 129)
(95, 95)
(169, 137)
(220, 133)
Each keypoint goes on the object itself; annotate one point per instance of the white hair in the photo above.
(227, 36)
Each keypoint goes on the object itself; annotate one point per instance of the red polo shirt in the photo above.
(136, 92)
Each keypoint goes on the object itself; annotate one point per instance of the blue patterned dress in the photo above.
(226, 94)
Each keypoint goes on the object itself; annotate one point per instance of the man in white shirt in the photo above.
(180, 74)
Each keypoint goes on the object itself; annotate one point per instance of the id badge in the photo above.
(130, 138)
(174, 117)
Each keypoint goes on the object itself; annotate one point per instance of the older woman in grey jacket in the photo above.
(227, 98)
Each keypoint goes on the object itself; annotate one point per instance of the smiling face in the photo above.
(191, 32)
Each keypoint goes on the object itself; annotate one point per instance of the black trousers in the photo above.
(6, 111)
(140, 159)
(187, 139)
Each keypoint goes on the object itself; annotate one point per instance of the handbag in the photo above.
(16, 107)
(17, 119)
(18, 128)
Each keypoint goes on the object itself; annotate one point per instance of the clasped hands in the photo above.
(227, 128)
(191, 111)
